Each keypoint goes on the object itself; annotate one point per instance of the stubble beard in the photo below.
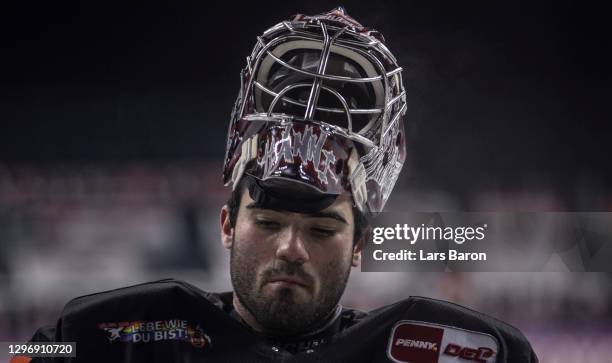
(282, 313)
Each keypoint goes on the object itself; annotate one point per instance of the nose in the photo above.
(291, 247)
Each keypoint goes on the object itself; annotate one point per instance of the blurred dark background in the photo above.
(501, 96)
(113, 123)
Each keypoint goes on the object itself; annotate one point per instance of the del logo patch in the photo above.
(422, 342)
(143, 332)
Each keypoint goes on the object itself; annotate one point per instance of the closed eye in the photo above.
(267, 224)
(324, 232)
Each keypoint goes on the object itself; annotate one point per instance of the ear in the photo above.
(227, 231)
(356, 261)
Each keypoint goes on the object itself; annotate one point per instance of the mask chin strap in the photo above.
(357, 178)
(249, 152)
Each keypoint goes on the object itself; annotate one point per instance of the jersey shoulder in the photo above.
(161, 293)
(161, 321)
(452, 324)
(167, 300)
(452, 313)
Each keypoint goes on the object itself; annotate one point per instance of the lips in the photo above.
(288, 280)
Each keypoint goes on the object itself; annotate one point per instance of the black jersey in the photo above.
(173, 321)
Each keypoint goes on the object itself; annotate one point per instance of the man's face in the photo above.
(289, 270)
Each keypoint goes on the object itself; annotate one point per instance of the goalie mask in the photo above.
(321, 108)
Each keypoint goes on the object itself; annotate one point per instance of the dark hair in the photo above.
(362, 224)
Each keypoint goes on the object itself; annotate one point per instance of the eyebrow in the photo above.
(322, 214)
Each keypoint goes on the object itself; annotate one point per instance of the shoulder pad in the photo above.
(166, 290)
(170, 317)
(147, 301)
(455, 331)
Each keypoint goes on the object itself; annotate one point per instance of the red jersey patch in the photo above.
(412, 343)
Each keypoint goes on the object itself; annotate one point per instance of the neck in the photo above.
(246, 315)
